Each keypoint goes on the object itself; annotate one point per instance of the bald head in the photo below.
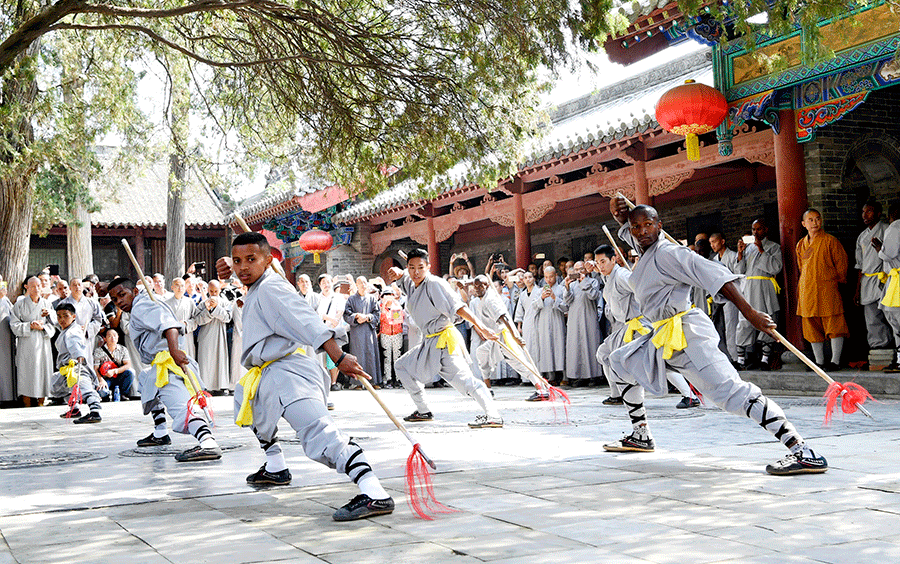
(643, 211)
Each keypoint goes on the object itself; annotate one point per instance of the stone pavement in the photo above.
(537, 491)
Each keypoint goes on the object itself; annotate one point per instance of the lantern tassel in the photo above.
(316, 258)
(693, 146)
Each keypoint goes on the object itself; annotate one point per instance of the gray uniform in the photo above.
(475, 340)
(582, 329)
(621, 308)
(871, 290)
(71, 344)
(760, 294)
(527, 316)
(551, 330)
(212, 343)
(662, 281)
(490, 354)
(34, 355)
(184, 308)
(726, 316)
(89, 314)
(432, 305)
(7, 366)
(294, 386)
(148, 323)
(890, 254)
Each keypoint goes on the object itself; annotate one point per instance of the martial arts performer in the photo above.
(889, 252)
(170, 378)
(493, 314)
(760, 262)
(871, 277)
(627, 324)
(73, 367)
(685, 339)
(434, 307)
(283, 382)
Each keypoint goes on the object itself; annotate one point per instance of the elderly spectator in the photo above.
(760, 262)
(725, 316)
(32, 322)
(551, 328)
(159, 286)
(871, 277)
(582, 330)
(113, 366)
(213, 317)
(362, 314)
(823, 265)
(185, 310)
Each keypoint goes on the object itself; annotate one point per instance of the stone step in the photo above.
(792, 380)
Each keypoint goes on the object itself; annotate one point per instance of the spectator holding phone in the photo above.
(113, 366)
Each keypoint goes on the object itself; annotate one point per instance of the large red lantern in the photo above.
(691, 110)
(316, 241)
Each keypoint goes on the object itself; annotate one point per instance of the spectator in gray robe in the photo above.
(760, 262)
(551, 328)
(184, 309)
(526, 316)
(870, 283)
(304, 288)
(362, 314)
(725, 316)
(213, 317)
(33, 323)
(582, 330)
(7, 366)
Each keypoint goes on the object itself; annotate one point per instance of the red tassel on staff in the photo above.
(697, 393)
(852, 397)
(74, 400)
(420, 488)
(199, 399)
(557, 395)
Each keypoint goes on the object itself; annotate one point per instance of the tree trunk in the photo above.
(15, 230)
(78, 244)
(175, 219)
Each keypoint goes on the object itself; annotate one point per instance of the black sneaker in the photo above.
(198, 454)
(538, 396)
(485, 422)
(798, 464)
(630, 444)
(153, 441)
(262, 477)
(92, 417)
(613, 401)
(363, 506)
(687, 402)
(72, 413)
(416, 416)
(892, 368)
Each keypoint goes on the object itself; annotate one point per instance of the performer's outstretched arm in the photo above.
(761, 321)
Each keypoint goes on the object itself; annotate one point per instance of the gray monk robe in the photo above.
(627, 322)
(7, 361)
(237, 342)
(432, 305)
(315, 300)
(726, 316)
(212, 344)
(490, 354)
(551, 330)
(34, 356)
(475, 339)
(363, 336)
(582, 329)
(527, 316)
(147, 326)
(871, 286)
(890, 254)
(184, 309)
(759, 289)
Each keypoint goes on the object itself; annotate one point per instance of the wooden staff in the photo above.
(188, 373)
(631, 206)
(616, 247)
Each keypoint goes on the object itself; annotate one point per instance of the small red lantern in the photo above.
(316, 241)
(691, 110)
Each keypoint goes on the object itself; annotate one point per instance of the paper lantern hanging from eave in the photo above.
(691, 109)
(316, 241)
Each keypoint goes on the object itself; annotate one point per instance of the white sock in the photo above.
(208, 442)
(160, 431)
(837, 345)
(370, 486)
(819, 352)
(275, 462)
(641, 431)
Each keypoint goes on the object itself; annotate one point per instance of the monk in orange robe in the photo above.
(823, 265)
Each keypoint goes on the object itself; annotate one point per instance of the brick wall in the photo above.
(356, 258)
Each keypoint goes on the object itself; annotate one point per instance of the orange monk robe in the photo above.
(823, 264)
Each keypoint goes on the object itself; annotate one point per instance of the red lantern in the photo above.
(316, 241)
(691, 110)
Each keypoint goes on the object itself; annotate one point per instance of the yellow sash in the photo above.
(892, 292)
(68, 370)
(709, 302)
(634, 324)
(670, 336)
(449, 338)
(882, 277)
(770, 279)
(250, 383)
(164, 364)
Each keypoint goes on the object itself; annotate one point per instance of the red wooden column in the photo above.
(434, 252)
(641, 185)
(522, 231)
(790, 180)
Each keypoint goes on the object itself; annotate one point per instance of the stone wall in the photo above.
(356, 258)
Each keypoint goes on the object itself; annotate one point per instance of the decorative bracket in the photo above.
(820, 115)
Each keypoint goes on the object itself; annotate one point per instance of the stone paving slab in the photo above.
(537, 491)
